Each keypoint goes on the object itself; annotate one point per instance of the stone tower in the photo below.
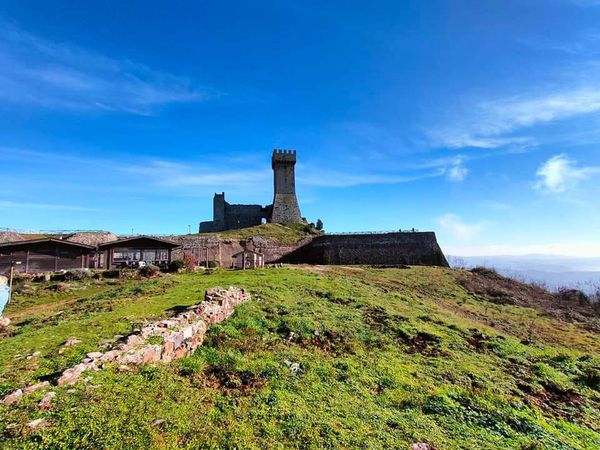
(285, 203)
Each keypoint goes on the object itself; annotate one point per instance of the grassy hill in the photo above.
(322, 357)
(281, 233)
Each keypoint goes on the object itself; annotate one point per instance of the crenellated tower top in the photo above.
(283, 156)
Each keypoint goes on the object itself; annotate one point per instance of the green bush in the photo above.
(111, 273)
(149, 271)
(177, 265)
(591, 377)
(213, 264)
(77, 274)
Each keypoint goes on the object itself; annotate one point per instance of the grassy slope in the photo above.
(388, 357)
(284, 234)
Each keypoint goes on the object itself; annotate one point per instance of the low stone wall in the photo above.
(161, 341)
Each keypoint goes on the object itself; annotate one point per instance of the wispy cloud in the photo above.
(560, 174)
(175, 174)
(313, 176)
(456, 171)
(509, 121)
(457, 228)
(36, 72)
(494, 122)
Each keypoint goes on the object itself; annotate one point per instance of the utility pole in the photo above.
(10, 280)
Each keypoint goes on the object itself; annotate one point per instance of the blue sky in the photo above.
(477, 119)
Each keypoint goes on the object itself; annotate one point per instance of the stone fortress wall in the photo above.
(411, 248)
(229, 217)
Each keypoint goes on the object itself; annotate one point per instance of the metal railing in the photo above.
(342, 233)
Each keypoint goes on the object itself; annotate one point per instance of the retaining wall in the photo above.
(413, 248)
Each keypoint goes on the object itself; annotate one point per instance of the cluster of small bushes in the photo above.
(188, 263)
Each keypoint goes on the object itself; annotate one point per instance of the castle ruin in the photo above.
(284, 208)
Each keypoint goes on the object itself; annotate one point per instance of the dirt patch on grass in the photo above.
(553, 399)
(378, 319)
(331, 298)
(233, 382)
(424, 343)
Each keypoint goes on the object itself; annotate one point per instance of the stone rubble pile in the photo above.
(161, 341)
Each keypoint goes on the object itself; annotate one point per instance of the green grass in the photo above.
(282, 233)
(387, 357)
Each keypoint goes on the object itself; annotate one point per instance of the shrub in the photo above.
(591, 377)
(213, 264)
(189, 261)
(485, 271)
(111, 273)
(42, 277)
(149, 271)
(177, 265)
(130, 274)
(572, 296)
(77, 274)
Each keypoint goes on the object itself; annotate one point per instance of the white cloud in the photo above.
(454, 225)
(560, 174)
(493, 123)
(36, 72)
(457, 171)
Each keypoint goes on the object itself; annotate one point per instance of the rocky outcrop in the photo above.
(161, 341)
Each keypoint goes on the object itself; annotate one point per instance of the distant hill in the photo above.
(553, 271)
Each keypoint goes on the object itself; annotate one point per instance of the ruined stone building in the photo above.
(284, 209)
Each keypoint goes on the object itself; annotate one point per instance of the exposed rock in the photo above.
(134, 340)
(158, 422)
(72, 375)
(35, 387)
(36, 424)
(33, 355)
(4, 322)
(294, 367)
(71, 342)
(13, 398)
(46, 402)
(421, 446)
(94, 355)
